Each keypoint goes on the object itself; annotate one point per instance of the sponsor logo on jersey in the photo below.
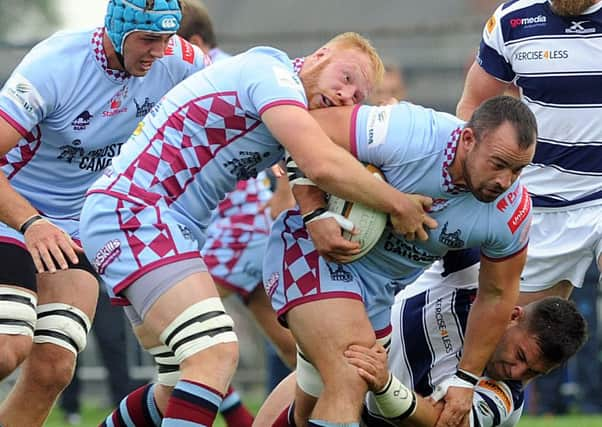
(93, 160)
(170, 44)
(521, 213)
(509, 199)
(144, 108)
(490, 26)
(378, 125)
(186, 233)
(22, 93)
(578, 28)
(115, 104)
(285, 78)
(442, 326)
(499, 392)
(106, 255)
(82, 121)
(271, 284)
(528, 22)
(541, 55)
(339, 274)
(451, 240)
(245, 166)
(439, 205)
(187, 51)
(485, 409)
(400, 247)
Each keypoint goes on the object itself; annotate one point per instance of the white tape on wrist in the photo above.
(395, 400)
(461, 378)
(343, 222)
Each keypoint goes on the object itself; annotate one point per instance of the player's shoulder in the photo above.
(62, 45)
(513, 207)
(520, 7)
(268, 53)
(429, 129)
(183, 54)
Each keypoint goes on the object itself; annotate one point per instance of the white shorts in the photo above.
(562, 246)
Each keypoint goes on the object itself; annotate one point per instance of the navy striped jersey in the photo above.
(555, 62)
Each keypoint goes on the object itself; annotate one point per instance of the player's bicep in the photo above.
(478, 87)
(9, 135)
(336, 123)
(302, 136)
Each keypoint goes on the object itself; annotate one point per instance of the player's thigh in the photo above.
(259, 305)
(73, 287)
(325, 328)
(561, 247)
(189, 291)
(278, 400)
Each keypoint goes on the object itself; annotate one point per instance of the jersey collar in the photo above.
(100, 56)
(298, 64)
(448, 158)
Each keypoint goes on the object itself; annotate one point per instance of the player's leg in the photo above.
(66, 305)
(189, 318)
(147, 404)
(18, 302)
(239, 272)
(561, 247)
(275, 410)
(259, 304)
(324, 329)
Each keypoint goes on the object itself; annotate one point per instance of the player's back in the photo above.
(206, 135)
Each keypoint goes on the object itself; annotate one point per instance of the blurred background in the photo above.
(431, 41)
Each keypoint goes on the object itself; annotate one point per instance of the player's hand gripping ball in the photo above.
(369, 222)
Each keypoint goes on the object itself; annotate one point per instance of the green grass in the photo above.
(91, 417)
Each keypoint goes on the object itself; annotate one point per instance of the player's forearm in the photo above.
(350, 180)
(426, 414)
(309, 198)
(487, 321)
(14, 208)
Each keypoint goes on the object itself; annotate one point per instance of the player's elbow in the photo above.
(321, 172)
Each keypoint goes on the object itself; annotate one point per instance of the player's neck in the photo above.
(112, 59)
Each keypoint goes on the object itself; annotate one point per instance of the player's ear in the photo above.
(518, 313)
(468, 138)
(322, 52)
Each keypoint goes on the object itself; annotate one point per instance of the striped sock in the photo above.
(234, 412)
(136, 409)
(320, 423)
(286, 417)
(192, 404)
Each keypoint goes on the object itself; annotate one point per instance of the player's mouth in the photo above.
(146, 65)
(326, 102)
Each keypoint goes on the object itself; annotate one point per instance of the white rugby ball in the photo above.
(369, 222)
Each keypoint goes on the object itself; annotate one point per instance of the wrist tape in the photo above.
(395, 400)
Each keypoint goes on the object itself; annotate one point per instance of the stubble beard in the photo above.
(571, 7)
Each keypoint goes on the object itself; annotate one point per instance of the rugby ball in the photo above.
(369, 222)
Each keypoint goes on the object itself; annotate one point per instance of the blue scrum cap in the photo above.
(126, 16)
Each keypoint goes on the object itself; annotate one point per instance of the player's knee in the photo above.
(14, 349)
(62, 325)
(204, 331)
(51, 367)
(222, 358)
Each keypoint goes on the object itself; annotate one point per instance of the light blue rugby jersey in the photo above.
(75, 114)
(555, 61)
(413, 147)
(205, 136)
